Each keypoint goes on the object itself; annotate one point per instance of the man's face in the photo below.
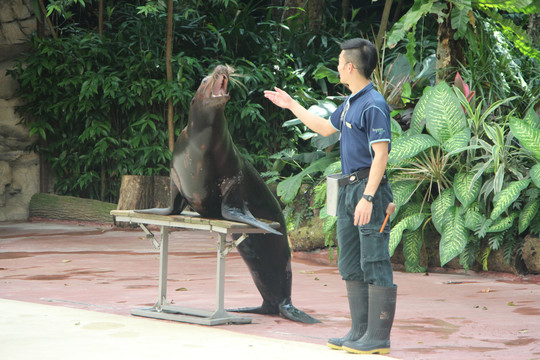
(343, 69)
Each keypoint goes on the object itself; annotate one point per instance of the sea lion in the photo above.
(209, 174)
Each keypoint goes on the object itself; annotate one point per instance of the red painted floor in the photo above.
(438, 316)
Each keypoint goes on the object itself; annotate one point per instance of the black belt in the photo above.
(358, 175)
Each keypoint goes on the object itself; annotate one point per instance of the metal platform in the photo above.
(190, 220)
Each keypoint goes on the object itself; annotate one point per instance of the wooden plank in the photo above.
(184, 219)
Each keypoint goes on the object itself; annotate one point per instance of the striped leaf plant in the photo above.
(461, 170)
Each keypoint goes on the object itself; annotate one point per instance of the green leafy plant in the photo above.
(479, 172)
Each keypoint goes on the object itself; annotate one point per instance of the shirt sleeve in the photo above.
(335, 118)
(377, 124)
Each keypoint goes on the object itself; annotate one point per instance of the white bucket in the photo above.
(332, 189)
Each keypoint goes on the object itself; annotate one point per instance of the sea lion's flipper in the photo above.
(177, 203)
(288, 311)
(285, 309)
(234, 208)
(263, 309)
(242, 214)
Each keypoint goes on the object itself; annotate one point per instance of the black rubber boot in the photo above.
(382, 307)
(357, 293)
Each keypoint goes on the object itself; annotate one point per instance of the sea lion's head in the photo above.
(208, 104)
(213, 89)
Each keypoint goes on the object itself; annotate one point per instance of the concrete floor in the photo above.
(66, 292)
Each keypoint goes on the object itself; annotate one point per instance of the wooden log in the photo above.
(50, 206)
(143, 192)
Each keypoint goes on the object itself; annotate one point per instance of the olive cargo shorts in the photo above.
(363, 250)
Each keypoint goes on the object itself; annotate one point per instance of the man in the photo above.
(364, 194)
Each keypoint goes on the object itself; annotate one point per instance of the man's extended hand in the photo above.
(279, 98)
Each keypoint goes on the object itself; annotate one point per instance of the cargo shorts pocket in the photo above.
(374, 246)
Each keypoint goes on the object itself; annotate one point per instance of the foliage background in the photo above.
(98, 103)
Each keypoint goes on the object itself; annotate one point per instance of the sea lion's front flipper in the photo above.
(242, 214)
(177, 203)
(234, 208)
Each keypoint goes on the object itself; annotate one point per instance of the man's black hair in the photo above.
(362, 54)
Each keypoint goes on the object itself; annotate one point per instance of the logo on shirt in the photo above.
(379, 131)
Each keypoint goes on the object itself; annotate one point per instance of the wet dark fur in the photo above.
(210, 175)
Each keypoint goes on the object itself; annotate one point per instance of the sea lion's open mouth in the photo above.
(219, 88)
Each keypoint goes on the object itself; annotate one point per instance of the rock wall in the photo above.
(19, 168)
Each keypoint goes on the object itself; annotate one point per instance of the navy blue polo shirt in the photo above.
(366, 122)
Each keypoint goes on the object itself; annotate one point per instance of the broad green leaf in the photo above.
(474, 219)
(440, 206)
(395, 128)
(528, 136)
(502, 224)
(535, 174)
(411, 223)
(402, 191)
(460, 19)
(522, 6)
(418, 121)
(465, 189)
(412, 245)
(454, 237)
(411, 18)
(507, 196)
(288, 188)
(323, 142)
(407, 147)
(532, 118)
(527, 214)
(458, 141)
(444, 113)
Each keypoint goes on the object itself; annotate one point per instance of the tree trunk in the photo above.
(345, 6)
(70, 208)
(51, 27)
(170, 112)
(100, 18)
(315, 9)
(293, 6)
(384, 24)
(449, 51)
(143, 192)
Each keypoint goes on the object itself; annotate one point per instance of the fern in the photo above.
(517, 6)
(514, 33)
